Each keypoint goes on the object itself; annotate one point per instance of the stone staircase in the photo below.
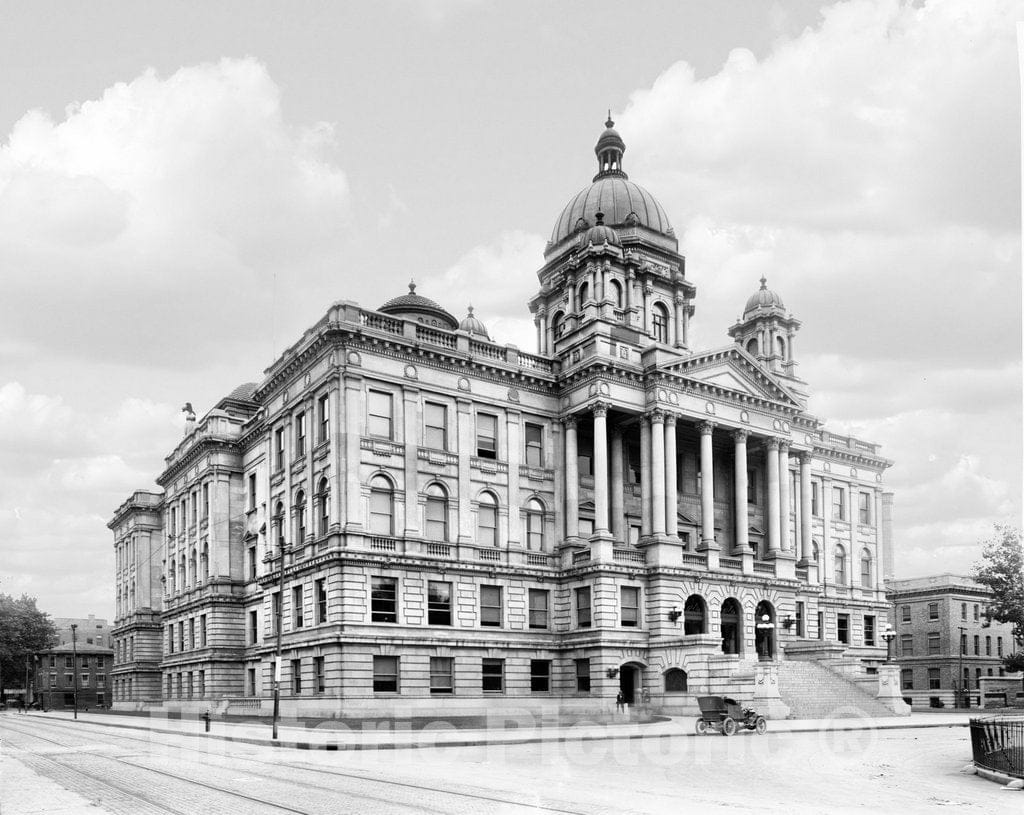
(815, 692)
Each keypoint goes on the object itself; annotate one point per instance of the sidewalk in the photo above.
(387, 735)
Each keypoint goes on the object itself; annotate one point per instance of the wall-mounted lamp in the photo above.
(788, 622)
(674, 613)
(612, 673)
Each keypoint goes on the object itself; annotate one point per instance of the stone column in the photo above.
(806, 530)
(677, 329)
(617, 508)
(686, 322)
(464, 412)
(742, 539)
(601, 469)
(572, 480)
(411, 425)
(785, 540)
(773, 494)
(354, 412)
(645, 475)
(671, 478)
(657, 472)
(513, 456)
(571, 283)
(879, 543)
(648, 291)
(707, 487)
(825, 566)
(335, 405)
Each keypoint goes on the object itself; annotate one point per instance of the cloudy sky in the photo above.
(185, 187)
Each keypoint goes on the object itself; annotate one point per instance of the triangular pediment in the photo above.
(733, 369)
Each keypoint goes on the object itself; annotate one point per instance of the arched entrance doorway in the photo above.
(630, 685)
(764, 636)
(694, 615)
(731, 626)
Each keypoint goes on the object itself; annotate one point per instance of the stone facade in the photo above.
(465, 525)
(945, 643)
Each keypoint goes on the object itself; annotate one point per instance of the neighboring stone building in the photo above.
(56, 671)
(944, 641)
(463, 522)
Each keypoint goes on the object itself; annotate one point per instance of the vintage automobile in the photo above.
(722, 714)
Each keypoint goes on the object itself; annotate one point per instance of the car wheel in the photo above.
(760, 725)
(702, 727)
(728, 726)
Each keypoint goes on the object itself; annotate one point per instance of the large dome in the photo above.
(623, 202)
(416, 307)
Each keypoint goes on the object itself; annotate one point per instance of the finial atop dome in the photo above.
(471, 325)
(609, 123)
(412, 287)
(599, 217)
(609, 150)
(764, 282)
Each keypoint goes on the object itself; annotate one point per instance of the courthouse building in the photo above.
(464, 524)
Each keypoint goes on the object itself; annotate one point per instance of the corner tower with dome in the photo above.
(440, 524)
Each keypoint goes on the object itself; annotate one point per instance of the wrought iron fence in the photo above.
(997, 743)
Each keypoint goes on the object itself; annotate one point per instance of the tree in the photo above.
(1014, 662)
(1002, 570)
(24, 630)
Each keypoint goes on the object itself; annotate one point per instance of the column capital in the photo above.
(783, 447)
(804, 456)
(670, 419)
(772, 443)
(569, 421)
(600, 408)
(706, 428)
(657, 416)
(740, 434)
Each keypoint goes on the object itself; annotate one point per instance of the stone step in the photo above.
(813, 691)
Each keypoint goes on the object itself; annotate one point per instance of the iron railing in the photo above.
(997, 743)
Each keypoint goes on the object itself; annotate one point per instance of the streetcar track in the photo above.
(306, 768)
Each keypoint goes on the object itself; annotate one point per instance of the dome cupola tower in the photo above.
(612, 267)
(766, 331)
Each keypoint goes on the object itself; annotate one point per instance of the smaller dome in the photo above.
(416, 307)
(599, 234)
(471, 325)
(763, 298)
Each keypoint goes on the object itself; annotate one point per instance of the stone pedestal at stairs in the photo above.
(889, 693)
(767, 700)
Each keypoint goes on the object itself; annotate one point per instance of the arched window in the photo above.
(487, 520)
(382, 506)
(752, 346)
(192, 568)
(324, 504)
(675, 680)
(659, 323)
(300, 518)
(558, 324)
(172, 576)
(584, 294)
(840, 565)
(279, 525)
(731, 618)
(780, 347)
(865, 568)
(181, 574)
(436, 512)
(814, 551)
(204, 562)
(534, 525)
(615, 293)
(694, 615)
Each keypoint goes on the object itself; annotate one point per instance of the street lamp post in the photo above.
(960, 671)
(74, 663)
(765, 627)
(888, 635)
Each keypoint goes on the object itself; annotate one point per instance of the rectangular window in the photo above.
(181, 635)
(170, 642)
(251, 556)
(101, 681)
(69, 662)
(195, 507)
(188, 685)
(864, 507)
(297, 676)
(379, 414)
(202, 684)
(907, 645)
(53, 680)
(751, 486)
(297, 607)
(815, 500)
(963, 643)
(843, 628)
(441, 675)
(999, 646)
(53, 661)
(279, 448)
(977, 649)
(838, 504)
(321, 601)
(83, 681)
(69, 680)
(988, 646)
(435, 426)
(492, 676)
(963, 611)
(202, 630)
(630, 606)
(250, 681)
(206, 501)
(907, 679)
(385, 674)
(977, 613)
(905, 613)
(933, 642)
(933, 611)
(583, 676)
(540, 675)
(539, 608)
(439, 602)
(323, 415)
(869, 629)
(583, 607)
(800, 619)
(191, 632)
(300, 434)
(486, 435)
(319, 673)
(254, 630)
(252, 491)
(534, 441)
(490, 606)
(384, 600)
(275, 611)
(933, 679)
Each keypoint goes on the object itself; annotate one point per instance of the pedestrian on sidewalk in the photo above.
(620, 702)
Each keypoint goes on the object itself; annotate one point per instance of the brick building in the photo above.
(57, 668)
(944, 641)
(90, 630)
(463, 524)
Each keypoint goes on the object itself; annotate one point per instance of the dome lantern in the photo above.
(609, 150)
